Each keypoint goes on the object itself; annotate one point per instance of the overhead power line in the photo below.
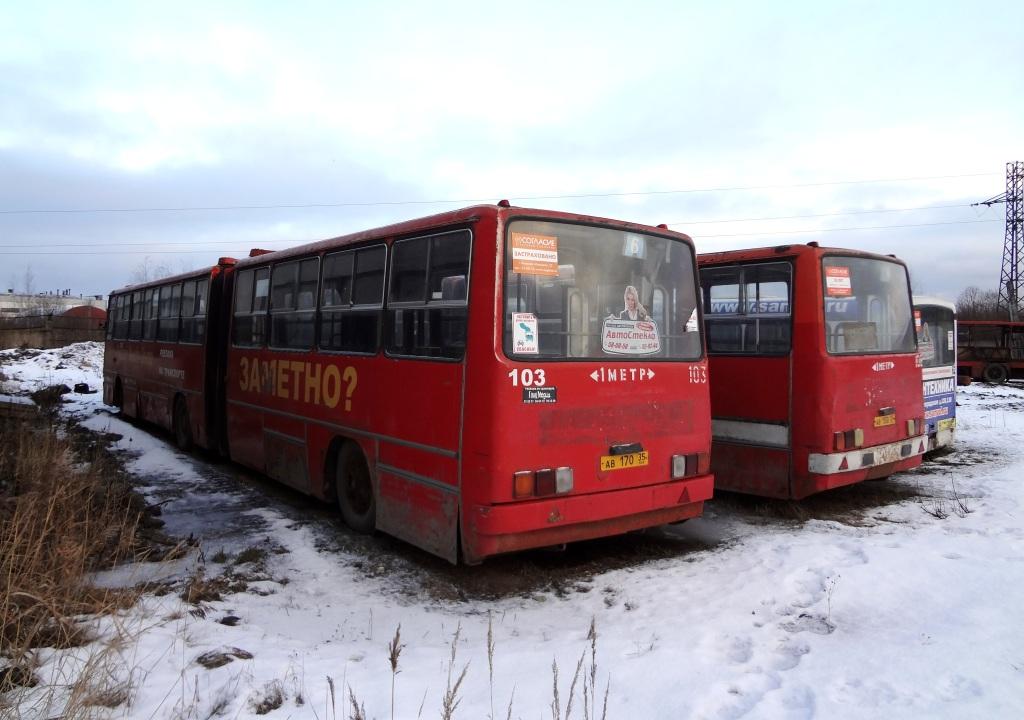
(817, 215)
(847, 229)
(682, 224)
(377, 203)
(213, 249)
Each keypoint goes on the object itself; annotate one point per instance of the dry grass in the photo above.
(62, 516)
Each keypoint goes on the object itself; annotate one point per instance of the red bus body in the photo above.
(478, 437)
(164, 369)
(990, 350)
(802, 398)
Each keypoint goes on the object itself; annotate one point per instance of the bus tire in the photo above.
(354, 488)
(996, 374)
(182, 426)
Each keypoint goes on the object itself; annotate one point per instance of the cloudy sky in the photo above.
(139, 135)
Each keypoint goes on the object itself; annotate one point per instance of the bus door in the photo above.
(747, 311)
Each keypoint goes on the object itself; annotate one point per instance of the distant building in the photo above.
(17, 305)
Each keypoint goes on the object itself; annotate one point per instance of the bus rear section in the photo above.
(163, 339)
(935, 322)
(815, 377)
(590, 414)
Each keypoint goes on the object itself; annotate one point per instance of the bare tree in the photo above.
(974, 303)
(148, 270)
(29, 282)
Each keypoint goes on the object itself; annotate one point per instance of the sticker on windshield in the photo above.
(837, 281)
(691, 324)
(524, 334)
(534, 254)
(632, 331)
(630, 337)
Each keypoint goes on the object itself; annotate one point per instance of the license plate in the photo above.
(947, 424)
(890, 454)
(883, 420)
(623, 462)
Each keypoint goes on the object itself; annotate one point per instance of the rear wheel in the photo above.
(995, 373)
(354, 489)
(182, 427)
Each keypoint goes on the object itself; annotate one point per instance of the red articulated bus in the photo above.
(163, 346)
(815, 376)
(990, 350)
(478, 382)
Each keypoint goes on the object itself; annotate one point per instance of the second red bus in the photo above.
(815, 377)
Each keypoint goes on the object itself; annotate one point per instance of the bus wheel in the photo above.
(995, 374)
(354, 489)
(182, 427)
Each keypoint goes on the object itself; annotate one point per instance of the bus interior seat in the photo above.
(331, 296)
(453, 288)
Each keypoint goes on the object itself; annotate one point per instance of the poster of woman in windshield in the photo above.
(632, 331)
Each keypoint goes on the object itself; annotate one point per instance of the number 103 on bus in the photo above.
(621, 462)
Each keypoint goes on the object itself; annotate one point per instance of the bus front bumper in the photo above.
(496, 529)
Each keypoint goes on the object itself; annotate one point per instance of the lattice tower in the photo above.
(1011, 285)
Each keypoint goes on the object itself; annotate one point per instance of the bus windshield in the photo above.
(867, 306)
(935, 336)
(589, 292)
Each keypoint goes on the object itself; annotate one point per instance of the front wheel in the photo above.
(354, 488)
(996, 374)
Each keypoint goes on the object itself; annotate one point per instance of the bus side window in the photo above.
(293, 304)
(190, 324)
(747, 308)
(351, 300)
(135, 324)
(243, 320)
(170, 300)
(114, 317)
(428, 295)
(151, 314)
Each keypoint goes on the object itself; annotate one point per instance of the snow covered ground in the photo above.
(913, 611)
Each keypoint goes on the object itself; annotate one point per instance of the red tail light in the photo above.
(540, 483)
(848, 439)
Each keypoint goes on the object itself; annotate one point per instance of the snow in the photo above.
(910, 613)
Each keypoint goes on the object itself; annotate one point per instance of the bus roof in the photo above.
(922, 300)
(776, 251)
(453, 218)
